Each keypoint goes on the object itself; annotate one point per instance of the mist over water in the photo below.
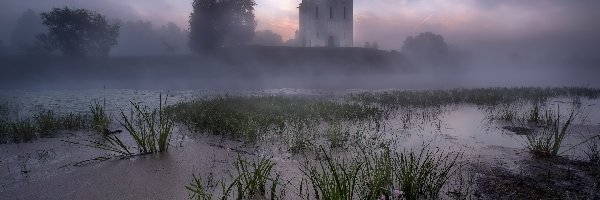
(153, 51)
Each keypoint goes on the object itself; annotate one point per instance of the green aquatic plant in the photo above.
(477, 96)
(4, 131)
(421, 175)
(337, 134)
(548, 140)
(100, 119)
(47, 123)
(251, 181)
(534, 114)
(4, 109)
(253, 177)
(593, 150)
(250, 117)
(74, 122)
(151, 129)
(332, 178)
(197, 191)
(377, 176)
(22, 131)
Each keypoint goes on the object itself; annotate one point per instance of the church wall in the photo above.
(330, 24)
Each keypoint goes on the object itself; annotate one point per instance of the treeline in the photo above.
(81, 32)
(213, 26)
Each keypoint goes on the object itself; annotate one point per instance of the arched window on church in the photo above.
(317, 12)
(344, 12)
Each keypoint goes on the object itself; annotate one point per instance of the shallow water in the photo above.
(49, 168)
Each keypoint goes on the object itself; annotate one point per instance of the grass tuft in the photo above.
(422, 175)
(100, 119)
(593, 150)
(250, 182)
(22, 131)
(251, 117)
(197, 190)
(332, 178)
(253, 176)
(47, 123)
(150, 128)
(548, 140)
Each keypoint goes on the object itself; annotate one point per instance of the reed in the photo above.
(548, 140)
(22, 131)
(422, 175)
(100, 119)
(150, 128)
(378, 176)
(477, 96)
(332, 178)
(250, 182)
(197, 190)
(253, 176)
(74, 122)
(593, 150)
(250, 117)
(47, 123)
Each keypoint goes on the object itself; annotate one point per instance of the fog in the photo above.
(485, 43)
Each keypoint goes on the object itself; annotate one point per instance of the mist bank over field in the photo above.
(259, 67)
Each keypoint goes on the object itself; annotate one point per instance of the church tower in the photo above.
(326, 23)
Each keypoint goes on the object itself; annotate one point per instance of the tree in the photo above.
(79, 32)
(267, 38)
(214, 23)
(375, 46)
(426, 46)
(205, 31)
(241, 21)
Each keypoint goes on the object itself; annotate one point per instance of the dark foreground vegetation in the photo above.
(344, 146)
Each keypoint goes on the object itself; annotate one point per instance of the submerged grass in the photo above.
(251, 181)
(477, 96)
(249, 117)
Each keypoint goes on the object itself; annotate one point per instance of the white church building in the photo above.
(325, 23)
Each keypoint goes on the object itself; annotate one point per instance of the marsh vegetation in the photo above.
(360, 145)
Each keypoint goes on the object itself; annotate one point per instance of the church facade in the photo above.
(326, 23)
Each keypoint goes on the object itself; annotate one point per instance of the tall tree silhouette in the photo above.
(79, 32)
(241, 22)
(426, 45)
(214, 23)
(267, 38)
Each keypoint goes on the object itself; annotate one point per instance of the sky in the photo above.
(465, 23)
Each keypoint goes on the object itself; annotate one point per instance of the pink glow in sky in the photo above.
(388, 22)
